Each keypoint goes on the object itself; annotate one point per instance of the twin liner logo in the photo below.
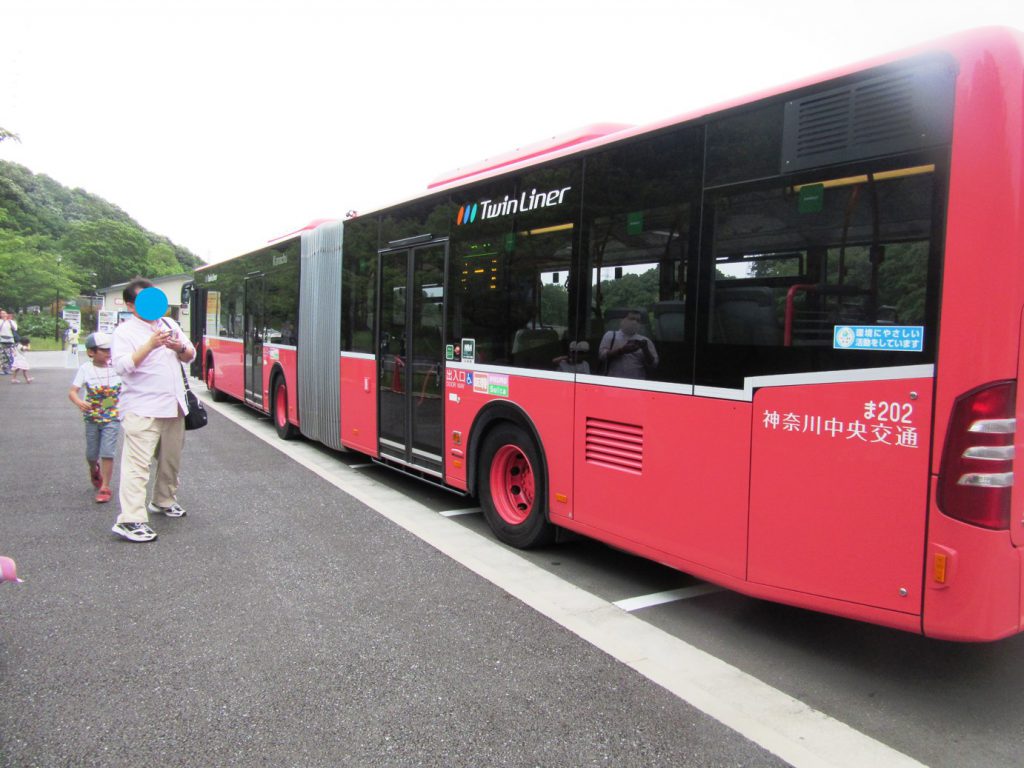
(528, 201)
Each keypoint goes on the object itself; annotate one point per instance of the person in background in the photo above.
(8, 329)
(626, 352)
(572, 363)
(102, 387)
(72, 339)
(148, 355)
(21, 360)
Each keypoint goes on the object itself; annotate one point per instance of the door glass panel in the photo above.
(253, 343)
(427, 296)
(392, 347)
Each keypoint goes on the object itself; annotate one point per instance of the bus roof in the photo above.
(538, 149)
(279, 239)
(593, 136)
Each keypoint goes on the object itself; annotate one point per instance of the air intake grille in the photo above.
(615, 445)
(881, 116)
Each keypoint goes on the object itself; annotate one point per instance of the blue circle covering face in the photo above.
(151, 303)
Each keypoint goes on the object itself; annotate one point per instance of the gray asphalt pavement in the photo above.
(284, 623)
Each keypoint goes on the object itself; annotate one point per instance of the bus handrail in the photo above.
(787, 334)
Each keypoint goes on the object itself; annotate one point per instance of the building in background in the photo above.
(113, 307)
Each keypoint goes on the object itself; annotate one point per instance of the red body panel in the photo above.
(689, 499)
(227, 365)
(983, 272)
(359, 404)
(548, 405)
(839, 483)
(229, 372)
(983, 289)
(856, 611)
(981, 596)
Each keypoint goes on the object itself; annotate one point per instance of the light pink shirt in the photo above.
(155, 387)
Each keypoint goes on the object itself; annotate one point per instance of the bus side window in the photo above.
(746, 316)
(791, 269)
(535, 347)
(669, 320)
(641, 221)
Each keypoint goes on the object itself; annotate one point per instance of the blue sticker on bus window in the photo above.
(879, 338)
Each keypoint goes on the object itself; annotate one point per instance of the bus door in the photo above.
(194, 297)
(410, 362)
(253, 339)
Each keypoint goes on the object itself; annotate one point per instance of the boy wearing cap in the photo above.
(102, 388)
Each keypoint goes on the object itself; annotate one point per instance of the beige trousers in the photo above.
(146, 437)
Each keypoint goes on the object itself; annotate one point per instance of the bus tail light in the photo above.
(976, 475)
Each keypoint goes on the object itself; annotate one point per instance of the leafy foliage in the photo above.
(37, 327)
(631, 291)
(56, 241)
(28, 271)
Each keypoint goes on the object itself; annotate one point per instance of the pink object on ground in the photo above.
(8, 570)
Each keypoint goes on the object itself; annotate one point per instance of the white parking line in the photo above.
(460, 512)
(669, 596)
(360, 466)
(787, 727)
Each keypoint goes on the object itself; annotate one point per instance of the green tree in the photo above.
(35, 204)
(29, 272)
(160, 260)
(554, 305)
(115, 251)
(631, 291)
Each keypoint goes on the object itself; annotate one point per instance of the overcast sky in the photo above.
(224, 123)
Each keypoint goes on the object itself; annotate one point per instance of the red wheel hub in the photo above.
(512, 484)
(281, 406)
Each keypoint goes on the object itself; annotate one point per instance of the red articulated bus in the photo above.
(774, 344)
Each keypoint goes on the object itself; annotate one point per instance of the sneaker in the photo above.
(175, 510)
(103, 496)
(95, 476)
(134, 531)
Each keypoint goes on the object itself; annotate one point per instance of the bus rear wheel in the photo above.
(512, 488)
(285, 430)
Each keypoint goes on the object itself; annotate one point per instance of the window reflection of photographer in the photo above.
(288, 333)
(627, 353)
(572, 363)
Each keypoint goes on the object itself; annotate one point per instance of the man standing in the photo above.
(626, 352)
(148, 355)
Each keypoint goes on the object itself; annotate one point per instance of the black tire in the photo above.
(211, 383)
(279, 411)
(513, 489)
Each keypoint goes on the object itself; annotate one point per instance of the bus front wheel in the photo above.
(211, 383)
(512, 489)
